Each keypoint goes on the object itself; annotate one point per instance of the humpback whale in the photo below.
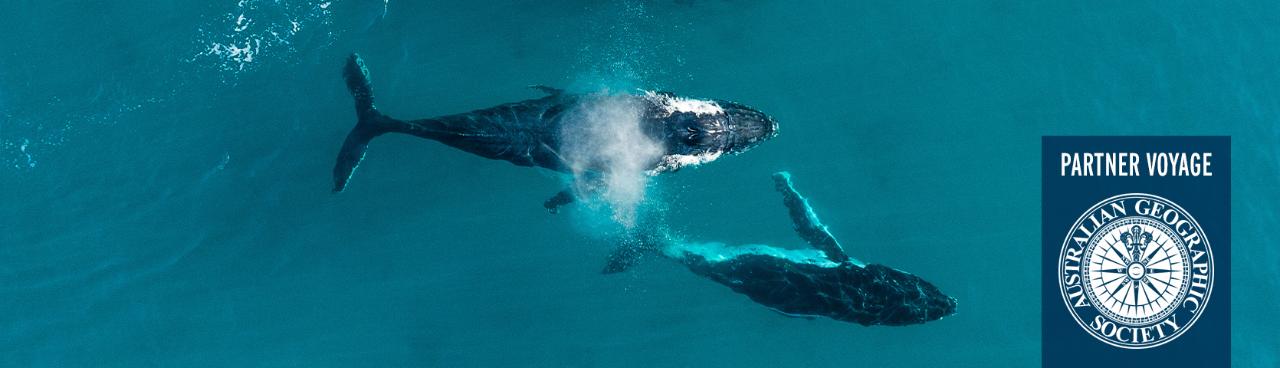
(534, 132)
(822, 281)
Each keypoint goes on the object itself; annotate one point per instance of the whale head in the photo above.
(900, 298)
(699, 131)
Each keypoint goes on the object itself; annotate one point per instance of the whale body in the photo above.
(819, 281)
(533, 132)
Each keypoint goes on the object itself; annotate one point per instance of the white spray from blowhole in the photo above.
(605, 144)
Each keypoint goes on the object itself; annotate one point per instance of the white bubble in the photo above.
(609, 152)
(256, 31)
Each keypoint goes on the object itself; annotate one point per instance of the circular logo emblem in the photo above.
(1135, 271)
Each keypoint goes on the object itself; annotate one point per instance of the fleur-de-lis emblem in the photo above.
(1135, 241)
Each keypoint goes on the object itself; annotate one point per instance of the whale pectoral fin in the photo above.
(558, 200)
(807, 224)
(551, 91)
(588, 187)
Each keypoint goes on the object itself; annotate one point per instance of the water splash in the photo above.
(260, 30)
(609, 153)
(606, 147)
(631, 52)
(31, 162)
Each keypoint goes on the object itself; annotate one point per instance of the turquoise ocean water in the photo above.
(164, 188)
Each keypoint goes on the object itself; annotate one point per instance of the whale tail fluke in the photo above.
(369, 124)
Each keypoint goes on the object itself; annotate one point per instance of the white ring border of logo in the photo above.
(1208, 250)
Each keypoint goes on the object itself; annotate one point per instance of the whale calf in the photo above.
(535, 132)
(821, 281)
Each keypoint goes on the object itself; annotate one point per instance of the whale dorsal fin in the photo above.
(550, 91)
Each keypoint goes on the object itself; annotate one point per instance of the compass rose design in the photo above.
(1136, 271)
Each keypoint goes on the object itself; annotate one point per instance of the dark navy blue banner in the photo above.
(1136, 239)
